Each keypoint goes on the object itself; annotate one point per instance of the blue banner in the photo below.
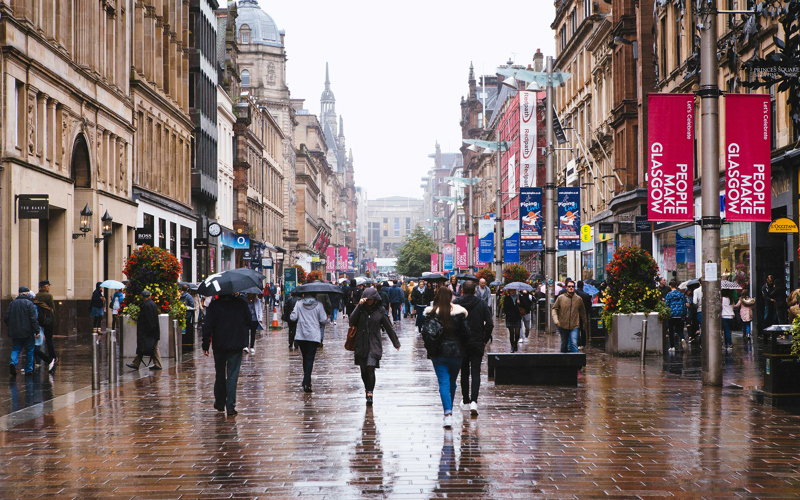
(447, 256)
(530, 219)
(569, 218)
(511, 241)
(486, 240)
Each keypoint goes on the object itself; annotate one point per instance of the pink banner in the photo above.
(475, 260)
(341, 262)
(434, 262)
(670, 149)
(330, 259)
(462, 252)
(747, 158)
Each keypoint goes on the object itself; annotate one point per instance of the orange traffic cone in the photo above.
(275, 325)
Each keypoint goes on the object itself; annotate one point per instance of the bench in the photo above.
(535, 368)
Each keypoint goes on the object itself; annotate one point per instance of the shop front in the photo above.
(676, 252)
(171, 231)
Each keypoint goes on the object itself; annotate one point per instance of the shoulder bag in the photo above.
(350, 343)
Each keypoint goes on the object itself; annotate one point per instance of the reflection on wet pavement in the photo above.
(623, 432)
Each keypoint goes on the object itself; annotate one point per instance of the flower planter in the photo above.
(129, 336)
(625, 335)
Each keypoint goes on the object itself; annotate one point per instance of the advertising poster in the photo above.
(486, 240)
(511, 241)
(462, 251)
(748, 196)
(527, 139)
(670, 157)
(341, 264)
(289, 280)
(448, 254)
(351, 261)
(530, 218)
(476, 247)
(434, 262)
(330, 259)
(569, 218)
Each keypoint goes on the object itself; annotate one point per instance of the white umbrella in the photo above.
(342, 280)
(112, 284)
(729, 285)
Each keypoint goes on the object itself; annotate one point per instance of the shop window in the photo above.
(676, 254)
(186, 253)
(173, 239)
(734, 245)
(162, 233)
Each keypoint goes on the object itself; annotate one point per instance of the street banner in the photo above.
(527, 139)
(670, 164)
(448, 253)
(330, 259)
(434, 262)
(569, 218)
(748, 196)
(511, 241)
(486, 239)
(512, 176)
(462, 251)
(476, 248)
(351, 261)
(341, 263)
(530, 218)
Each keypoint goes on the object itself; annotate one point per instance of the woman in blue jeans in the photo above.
(448, 354)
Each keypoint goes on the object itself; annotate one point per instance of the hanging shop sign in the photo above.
(511, 241)
(462, 251)
(266, 262)
(605, 227)
(237, 241)
(747, 158)
(670, 150)
(569, 218)
(145, 236)
(33, 206)
(783, 225)
(642, 224)
(527, 139)
(530, 218)
(586, 233)
(486, 239)
(200, 243)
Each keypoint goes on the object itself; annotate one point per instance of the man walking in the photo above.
(45, 298)
(147, 327)
(288, 307)
(587, 306)
(23, 326)
(484, 293)
(568, 315)
(663, 288)
(420, 298)
(396, 301)
(226, 328)
(479, 320)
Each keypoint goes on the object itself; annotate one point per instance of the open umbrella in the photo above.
(591, 290)
(687, 284)
(343, 280)
(591, 281)
(729, 285)
(467, 276)
(192, 286)
(434, 277)
(229, 282)
(495, 283)
(112, 284)
(248, 272)
(519, 285)
(317, 287)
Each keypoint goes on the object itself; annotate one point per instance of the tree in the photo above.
(414, 257)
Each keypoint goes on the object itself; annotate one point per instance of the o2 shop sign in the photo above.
(237, 241)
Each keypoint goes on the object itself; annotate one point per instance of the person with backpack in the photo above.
(445, 334)
(47, 322)
(677, 303)
(479, 320)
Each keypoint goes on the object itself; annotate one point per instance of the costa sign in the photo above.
(747, 158)
(527, 138)
(670, 149)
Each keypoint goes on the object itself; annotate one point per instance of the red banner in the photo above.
(670, 163)
(341, 262)
(330, 259)
(434, 262)
(462, 251)
(747, 158)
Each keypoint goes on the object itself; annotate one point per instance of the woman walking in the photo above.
(511, 309)
(116, 304)
(727, 318)
(746, 303)
(448, 354)
(96, 308)
(369, 317)
(336, 304)
(256, 315)
(310, 316)
(454, 286)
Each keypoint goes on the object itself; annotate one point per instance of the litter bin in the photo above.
(541, 314)
(598, 328)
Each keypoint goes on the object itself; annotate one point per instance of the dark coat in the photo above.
(21, 318)
(148, 326)
(396, 295)
(587, 306)
(525, 301)
(369, 347)
(455, 338)
(384, 298)
(227, 324)
(353, 296)
(422, 299)
(326, 302)
(511, 309)
(288, 307)
(479, 320)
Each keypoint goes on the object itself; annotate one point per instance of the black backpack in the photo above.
(44, 316)
(432, 333)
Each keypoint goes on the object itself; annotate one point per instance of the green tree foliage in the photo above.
(414, 257)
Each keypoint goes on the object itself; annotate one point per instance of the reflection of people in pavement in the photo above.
(367, 462)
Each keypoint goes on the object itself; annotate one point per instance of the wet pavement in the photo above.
(623, 432)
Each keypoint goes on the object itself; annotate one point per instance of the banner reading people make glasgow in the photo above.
(569, 218)
(461, 251)
(527, 139)
(511, 241)
(486, 239)
(341, 263)
(434, 262)
(330, 259)
(530, 218)
(747, 158)
(670, 153)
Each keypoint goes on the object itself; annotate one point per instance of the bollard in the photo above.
(113, 369)
(95, 362)
(177, 339)
(644, 339)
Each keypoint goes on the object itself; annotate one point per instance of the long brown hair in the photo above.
(441, 304)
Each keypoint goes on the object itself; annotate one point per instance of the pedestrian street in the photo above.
(622, 432)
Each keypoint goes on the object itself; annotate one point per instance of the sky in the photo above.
(398, 71)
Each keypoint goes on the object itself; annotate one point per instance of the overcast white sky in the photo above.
(398, 71)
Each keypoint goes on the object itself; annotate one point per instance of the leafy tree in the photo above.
(414, 257)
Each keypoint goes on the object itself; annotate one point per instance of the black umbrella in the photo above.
(591, 281)
(317, 287)
(248, 272)
(467, 276)
(191, 286)
(495, 283)
(538, 277)
(227, 283)
(434, 277)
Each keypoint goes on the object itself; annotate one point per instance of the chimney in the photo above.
(538, 60)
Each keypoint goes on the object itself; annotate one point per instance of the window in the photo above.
(663, 52)
(162, 233)
(397, 226)
(385, 233)
(678, 59)
(244, 31)
(245, 78)
(587, 8)
(173, 239)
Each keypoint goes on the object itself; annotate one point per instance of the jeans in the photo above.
(569, 339)
(746, 325)
(396, 310)
(29, 344)
(309, 351)
(699, 325)
(526, 320)
(333, 314)
(226, 364)
(675, 331)
(471, 366)
(447, 369)
(406, 308)
(321, 332)
(726, 329)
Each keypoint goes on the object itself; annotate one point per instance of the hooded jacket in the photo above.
(227, 324)
(369, 347)
(479, 320)
(309, 314)
(21, 318)
(455, 338)
(396, 295)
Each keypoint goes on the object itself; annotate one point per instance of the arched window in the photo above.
(80, 170)
(244, 34)
(245, 78)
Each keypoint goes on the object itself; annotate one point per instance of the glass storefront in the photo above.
(587, 264)
(676, 252)
(734, 244)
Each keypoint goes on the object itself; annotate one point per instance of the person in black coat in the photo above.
(288, 307)
(147, 327)
(448, 355)
(370, 317)
(23, 326)
(511, 310)
(479, 320)
(526, 303)
(226, 327)
(421, 296)
(352, 297)
(587, 304)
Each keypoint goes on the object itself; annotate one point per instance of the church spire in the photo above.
(341, 126)
(327, 78)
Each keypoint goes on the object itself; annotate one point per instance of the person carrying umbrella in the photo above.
(96, 306)
(311, 317)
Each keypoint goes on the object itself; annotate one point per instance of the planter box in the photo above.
(129, 337)
(625, 335)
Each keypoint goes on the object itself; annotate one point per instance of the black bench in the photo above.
(535, 368)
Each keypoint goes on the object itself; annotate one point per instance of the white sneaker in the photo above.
(246, 349)
(473, 408)
(334, 323)
(671, 349)
(448, 421)
(464, 406)
(525, 339)
(252, 350)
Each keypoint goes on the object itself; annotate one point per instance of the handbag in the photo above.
(350, 343)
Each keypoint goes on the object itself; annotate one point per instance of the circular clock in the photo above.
(214, 229)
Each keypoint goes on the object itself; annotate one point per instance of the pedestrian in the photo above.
(484, 293)
(513, 312)
(42, 313)
(769, 293)
(384, 295)
(188, 302)
(353, 297)
(587, 306)
(498, 294)
(23, 326)
(396, 296)
(406, 298)
(697, 300)
(326, 305)
(448, 355)
(47, 324)
(116, 305)
(454, 286)
(225, 328)
(746, 303)
(147, 326)
(336, 301)
(288, 307)
(479, 321)
(568, 315)
(256, 316)
(96, 307)
(677, 304)
(421, 297)
(727, 318)
(663, 288)
(526, 303)
(370, 317)
(273, 295)
(311, 317)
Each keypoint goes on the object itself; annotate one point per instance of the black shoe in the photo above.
(369, 400)
(131, 366)
(154, 367)
(219, 407)
(12, 370)
(320, 346)
(307, 388)
(232, 413)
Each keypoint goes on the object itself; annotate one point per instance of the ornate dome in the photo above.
(262, 27)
